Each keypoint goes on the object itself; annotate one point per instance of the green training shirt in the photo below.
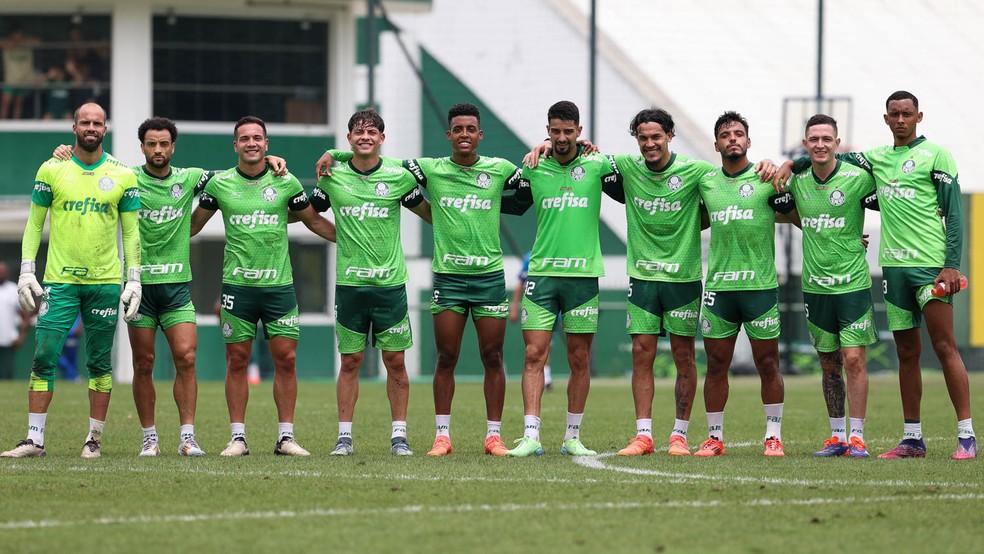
(255, 210)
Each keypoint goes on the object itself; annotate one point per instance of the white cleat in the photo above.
(190, 448)
(343, 447)
(236, 447)
(91, 449)
(150, 449)
(287, 446)
(25, 449)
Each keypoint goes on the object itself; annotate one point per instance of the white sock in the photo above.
(965, 429)
(680, 427)
(493, 428)
(838, 428)
(285, 429)
(399, 429)
(912, 431)
(531, 427)
(95, 430)
(773, 420)
(547, 375)
(715, 425)
(150, 433)
(644, 427)
(443, 425)
(573, 426)
(857, 427)
(187, 432)
(237, 430)
(35, 428)
(345, 429)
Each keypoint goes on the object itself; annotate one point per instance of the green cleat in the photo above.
(574, 447)
(526, 447)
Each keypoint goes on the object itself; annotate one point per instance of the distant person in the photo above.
(13, 323)
(58, 93)
(18, 72)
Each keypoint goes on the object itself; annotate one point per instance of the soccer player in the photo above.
(257, 283)
(741, 287)
(565, 265)
(829, 203)
(365, 195)
(88, 197)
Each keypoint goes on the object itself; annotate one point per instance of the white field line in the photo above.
(597, 462)
(473, 508)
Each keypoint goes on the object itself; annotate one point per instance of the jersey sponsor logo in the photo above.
(829, 280)
(73, 271)
(289, 321)
(837, 198)
(369, 272)
(587, 311)
(414, 168)
(732, 213)
(850, 173)
(942, 177)
(656, 266)
(163, 215)
(892, 191)
(103, 313)
(257, 218)
(901, 253)
(578, 173)
(469, 202)
(765, 322)
(381, 189)
(131, 193)
(909, 166)
(483, 180)
(497, 308)
(368, 210)
(745, 190)
(674, 183)
(255, 274)
(42, 187)
(269, 194)
(301, 198)
(176, 191)
(401, 329)
(106, 184)
(88, 206)
(684, 314)
(464, 260)
(564, 201)
(564, 263)
(823, 221)
(657, 205)
(731, 276)
(163, 269)
(860, 325)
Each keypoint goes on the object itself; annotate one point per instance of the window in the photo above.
(211, 69)
(53, 63)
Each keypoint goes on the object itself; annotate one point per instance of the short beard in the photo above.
(165, 163)
(735, 157)
(80, 141)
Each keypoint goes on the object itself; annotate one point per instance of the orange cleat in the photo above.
(442, 447)
(679, 446)
(710, 447)
(495, 447)
(773, 447)
(638, 446)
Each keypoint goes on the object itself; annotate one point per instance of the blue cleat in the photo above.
(832, 448)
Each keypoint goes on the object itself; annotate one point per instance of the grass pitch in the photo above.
(468, 502)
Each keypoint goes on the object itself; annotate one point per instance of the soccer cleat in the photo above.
(150, 448)
(857, 448)
(966, 449)
(343, 447)
(833, 447)
(189, 447)
(773, 447)
(526, 447)
(574, 447)
(495, 447)
(399, 447)
(907, 448)
(25, 449)
(710, 447)
(236, 447)
(91, 449)
(442, 447)
(640, 445)
(287, 446)
(678, 446)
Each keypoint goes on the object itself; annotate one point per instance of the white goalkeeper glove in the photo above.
(131, 294)
(28, 286)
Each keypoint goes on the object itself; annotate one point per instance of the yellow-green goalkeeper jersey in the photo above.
(255, 210)
(165, 222)
(742, 254)
(662, 210)
(84, 202)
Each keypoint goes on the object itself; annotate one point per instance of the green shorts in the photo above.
(725, 311)
(907, 290)
(243, 307)
(484, 295)
(165, 305)
(61, 304)
(657, 306)
(575, 298)
(379, 310)
(840, 321)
